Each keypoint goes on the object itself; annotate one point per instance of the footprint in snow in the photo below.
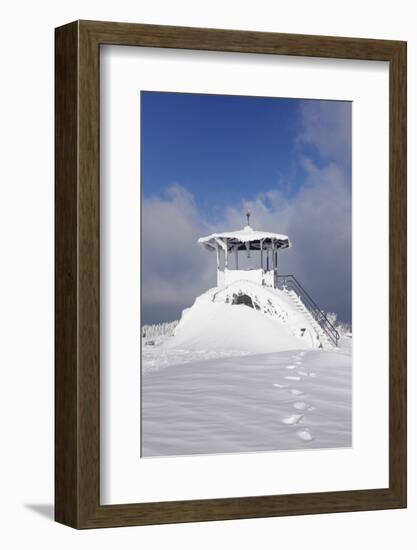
(301, 406)
(281, 386)
(290, 367)
(298, 363)
(293, 419)
(302, 373)
(296, 392)
(313, 374)
(293, 378)
(304, 435)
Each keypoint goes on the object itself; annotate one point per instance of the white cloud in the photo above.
(327, 126)
(174, 268)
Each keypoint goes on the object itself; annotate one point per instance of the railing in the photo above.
(289, 282)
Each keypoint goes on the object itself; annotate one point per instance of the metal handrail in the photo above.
(307, 300)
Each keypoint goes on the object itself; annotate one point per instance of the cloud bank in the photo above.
(175, 269)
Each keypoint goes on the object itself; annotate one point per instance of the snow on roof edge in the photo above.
(245, 235)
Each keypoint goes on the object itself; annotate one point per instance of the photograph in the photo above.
(246, 274)
(208, 273)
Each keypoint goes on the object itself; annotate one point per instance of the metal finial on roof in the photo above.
(248, 216)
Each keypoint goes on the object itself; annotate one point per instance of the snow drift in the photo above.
(224, 327)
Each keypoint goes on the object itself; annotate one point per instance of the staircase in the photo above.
(326, 332)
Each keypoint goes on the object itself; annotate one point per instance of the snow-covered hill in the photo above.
(219, 324)
(245, 369)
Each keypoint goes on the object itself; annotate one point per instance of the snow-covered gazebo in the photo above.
(278, 297)
(227, 246)
(252, 310)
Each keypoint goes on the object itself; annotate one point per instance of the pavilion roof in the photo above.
(245, 235)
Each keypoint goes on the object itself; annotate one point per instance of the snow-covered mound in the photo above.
(246, 317)
(212, 325)
(282, 306)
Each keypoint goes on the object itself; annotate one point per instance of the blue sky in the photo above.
(206, 158)
(220, 147)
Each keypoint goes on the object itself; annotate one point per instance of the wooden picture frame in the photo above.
(77, 382)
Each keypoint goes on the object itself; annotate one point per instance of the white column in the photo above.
(236, 256)
(221, 246)
(274, 263)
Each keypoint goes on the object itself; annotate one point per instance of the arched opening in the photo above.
(243, 299)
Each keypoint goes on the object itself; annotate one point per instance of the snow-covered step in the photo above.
(296, 300)
(305, 312)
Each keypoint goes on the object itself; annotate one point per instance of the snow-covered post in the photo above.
(218, 264)
(223, 246)
(275, 252)
(269, 256)
(262, 253)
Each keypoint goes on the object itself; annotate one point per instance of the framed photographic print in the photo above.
(230, 274)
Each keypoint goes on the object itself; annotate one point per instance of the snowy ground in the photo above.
(198, 402)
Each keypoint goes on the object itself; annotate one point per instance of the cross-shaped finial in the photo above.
(248, 216)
